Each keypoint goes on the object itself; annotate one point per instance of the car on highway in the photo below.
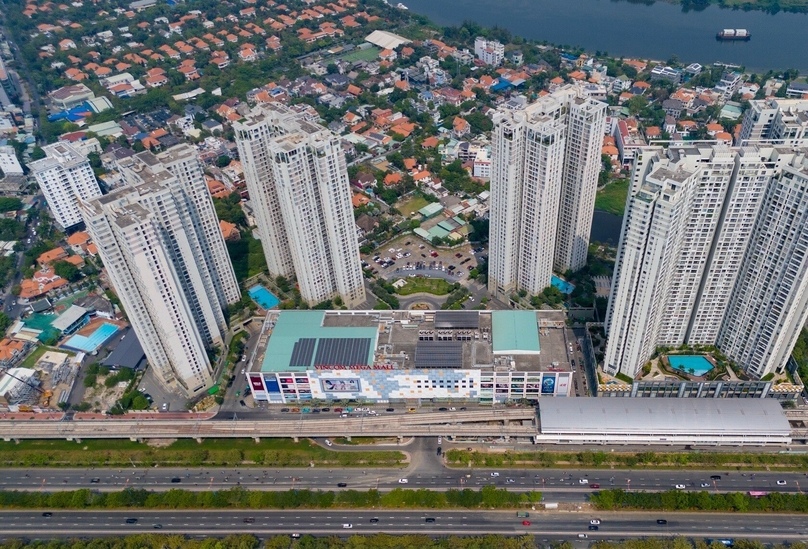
(175, 480)
(158, 526)
(594, 521)
(337, 410)
(661, 521)
(440, 450)
(781, 483)
(410, 410)
(583, 481)
(594, 486)
(249, 520)
(494, 474)
(582, 536)
(593, 526)
(374, 520)
(284, 409)
(390, 410)
(342, 484)
(525, 523)
(131, 521)
(715, 477)
(440, 439)
(95, 480)
(680, 486)
(429, 519)
(295, 536)
(509, 481)
(403, 481)
(295, 410)
(47, 514)
(326, 409)
(328, 443)
(347, 526)
(443, 409)
(705, 485)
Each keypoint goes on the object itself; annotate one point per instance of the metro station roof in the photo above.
(661, 416)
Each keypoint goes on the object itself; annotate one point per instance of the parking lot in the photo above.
(409, 255)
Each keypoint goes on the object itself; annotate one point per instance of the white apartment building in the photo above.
(545, 160)
(769, 305)
(733, 270)
(8, 161)
(298, 179)
(586, 122)
(489, 52)
(166, 259)
(775, 120)
(650, 242)
(65, 177)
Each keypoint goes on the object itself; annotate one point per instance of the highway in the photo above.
(556, 485)
(543, 525)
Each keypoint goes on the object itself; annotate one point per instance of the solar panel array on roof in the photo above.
(302, 352)
(439, 354)
(457, 319)
(337, 351)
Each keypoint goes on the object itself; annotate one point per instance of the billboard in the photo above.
(563, 385)
(336, 385)
(256, 383)
(548, 383)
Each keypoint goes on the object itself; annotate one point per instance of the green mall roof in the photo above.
(515, 332)
(294, 325)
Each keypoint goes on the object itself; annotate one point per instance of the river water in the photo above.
(655, 31)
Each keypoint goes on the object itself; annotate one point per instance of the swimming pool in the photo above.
(90, 343)
(686, 363)
(563, 286)
(263, 297)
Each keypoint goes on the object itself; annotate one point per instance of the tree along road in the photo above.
(543, 525)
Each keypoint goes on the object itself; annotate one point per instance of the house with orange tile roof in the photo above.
(76, 261)
(247, 53)
(714, 129)
(430, 142)
(43, 281)
(392, 179)
(274, 43)
(78, 242)
(230, 232)
(56, 254)
(359, 199)
(75, 75)
(460, 127)
(410, 164)
(67, 44)
(724, 137)
(639, 66)
(12, 350)
(577, 75)
(686, 127)
(388, 55)
(354, 90)
(653, 132)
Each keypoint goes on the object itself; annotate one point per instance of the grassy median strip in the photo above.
(489, 497)
(646, 460)
(188, 453)
(246, 541)
(679, 500)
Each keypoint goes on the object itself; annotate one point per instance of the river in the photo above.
(655, 31)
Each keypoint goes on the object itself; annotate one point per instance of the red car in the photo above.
(594, 486)
(525, 523)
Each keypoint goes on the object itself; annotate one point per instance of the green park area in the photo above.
(413, 204)
(187, 452)
(612, 197)
(437, 286)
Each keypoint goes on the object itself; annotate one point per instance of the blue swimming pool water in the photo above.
(697, 363)
(90, 343)
(263, 297)
(563, 286)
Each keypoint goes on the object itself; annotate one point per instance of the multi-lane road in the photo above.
(557, 485)
(543, 525)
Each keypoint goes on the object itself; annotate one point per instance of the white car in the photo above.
(594, 521)
(440, 439)
(403, 481)
(495, 474)
(583, 481)
(347, 526)
(781, 483)
(328, 442)
(680, 486)
(705, 484)
(452, 409)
